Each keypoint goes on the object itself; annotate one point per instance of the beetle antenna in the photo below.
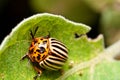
(31, 33)
(48, 36)
(36, 30)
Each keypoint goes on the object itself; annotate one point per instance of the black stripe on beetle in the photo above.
(47, 65)
(57, 59)
(56, 46)
(59, 44)
(57, 52)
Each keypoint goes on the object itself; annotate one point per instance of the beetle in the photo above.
(46, 53)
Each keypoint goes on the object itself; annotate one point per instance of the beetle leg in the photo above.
(25, 56)
(39, 72)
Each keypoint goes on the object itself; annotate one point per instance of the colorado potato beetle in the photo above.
(46, 53)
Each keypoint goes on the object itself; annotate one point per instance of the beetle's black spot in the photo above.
(43, 56)
(38, 50)
(33, 57)
(31, 51)
(44, 42)
(35, 41)
(41, 39)
(38, 57)
(31, 45)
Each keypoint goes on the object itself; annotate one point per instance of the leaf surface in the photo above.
(16, 45)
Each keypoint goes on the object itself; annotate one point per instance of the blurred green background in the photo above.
(102, 15)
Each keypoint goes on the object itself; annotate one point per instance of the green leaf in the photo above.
(102, 67)
(16, 44)
(105, 70)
